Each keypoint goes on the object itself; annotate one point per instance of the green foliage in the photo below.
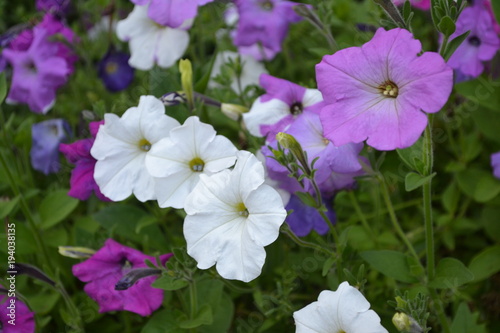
(466, 322)
(390, 263)
(451, 273)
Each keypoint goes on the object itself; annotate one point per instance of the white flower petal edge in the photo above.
(265, 113)
(150, 42)
(231, 216)
(121, 146)
(344, 310)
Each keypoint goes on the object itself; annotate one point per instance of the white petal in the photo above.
(265, 113)
(311, 97)
(172, 191)
(171, 45)
(248, 173)
(219, 155)
(154, 124)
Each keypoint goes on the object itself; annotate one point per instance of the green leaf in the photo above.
(306, 198)
(489, 221)
(412, 156)
(496, 9)
(202, 84)
(167, 282)
(488, 122)
(454, 44)
(466, 322)
(447, 26)
(390, 263)
(450, 197)
(486, 189)
(3, 87)
(203, 317)
(7, 206)
(223, 316)
(414, 180)
(486, 263)
(163, 321)
(451, 273)
(327, 265)
(478, 184)
(55, 207)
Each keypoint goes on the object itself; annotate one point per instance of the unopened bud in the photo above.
(76, 252)
(287, 141)
(129, 279)
(187, 80)
(173, 98)
(405, 323)
(233, 111)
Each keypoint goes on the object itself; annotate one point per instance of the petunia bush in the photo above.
(250, 166)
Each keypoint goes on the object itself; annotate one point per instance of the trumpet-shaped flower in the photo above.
(344, 310)
(305, 219)
(481, 45)
(283, 102)
(231, 216)
(178, 161)
(381, 91)
(151, 43)
(172, 13)
(121, 147)
(106, 267)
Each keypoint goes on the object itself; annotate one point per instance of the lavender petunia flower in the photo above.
(305, 219)
(172, 13)
(82, 176)
(264, 22)
(12, 310)
(481, 45)
(106, 267)
(495, 164)
(114, 70)
(381, 91)
(46, 137)
(281, 105)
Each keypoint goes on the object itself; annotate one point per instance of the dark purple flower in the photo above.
(82, 180)
(57, 6)
(15, 317)
(106, 267)
(114, 70)
(495, 164)
(481, 45)
(304, 218)
(46, 137)
(264, 22)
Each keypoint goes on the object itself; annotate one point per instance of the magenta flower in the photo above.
(37, 73)
(481, 45)
(420, 4)
(172, 13)
(106, 267)
(46, 137)
(282, 104)
(495, 164)
(264, 22)
(12, 310)
(82, 180)
(380, 92)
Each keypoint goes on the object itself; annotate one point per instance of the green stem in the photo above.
(75, 314)
(361, 216)
(286, 230)
(193, 298)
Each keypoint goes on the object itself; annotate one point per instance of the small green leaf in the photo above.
(203, 317)
(306, 198)
(486, 263)
(450, 197)
(466, 322)
(414, 180)
(451, 273)
(167, 282)
(327, 265)
(390, 263)
(412, 156)
(7, 206)
(447, 26)
(55, 207)
(486, 189)
(454, 44)
(3, 87)
(163, 321)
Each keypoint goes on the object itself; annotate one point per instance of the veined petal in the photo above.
(170, 46)
(264, 113)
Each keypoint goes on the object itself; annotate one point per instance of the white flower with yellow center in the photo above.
(231, 216)
(178, 161)
(343, 311)
(122, 145)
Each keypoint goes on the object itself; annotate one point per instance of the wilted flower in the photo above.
(231, 216)
(177, 161)
(46, 137)
(82, 182)
(344, 310)
(114, 70)
(121, 147)
(106, 267)
(15, 316)
(151, 43)
(381, 91)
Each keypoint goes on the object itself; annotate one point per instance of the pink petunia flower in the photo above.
(380, 91)
(82, 176)
(106, 267)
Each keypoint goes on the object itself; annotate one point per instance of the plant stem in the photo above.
(361, 216)
(286, 230)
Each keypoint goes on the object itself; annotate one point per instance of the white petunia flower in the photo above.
(344, 310)
(122, 145)
(231, 216)
(178, 161)
(151, 42)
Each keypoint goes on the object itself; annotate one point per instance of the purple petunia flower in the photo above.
(172, 13)
(305, 219)
(481, 45)
(114, 70)
(57, 6)
(381, 91)
(46, 137)
(282, 104)
(15, 316)
(106, 267)
(495, 164)
(82, 176)
(264, 22)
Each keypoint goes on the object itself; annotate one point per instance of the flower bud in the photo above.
(135, 275)
(287, 141)
(233, 111)
(401, 321)
(173, 98)
(76, 252)
(187, 80)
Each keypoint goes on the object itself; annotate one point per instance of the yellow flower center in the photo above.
(266, 5)
(389, 89)
(197, 164)
(144, 145)
(242, 209)
(111, 67)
